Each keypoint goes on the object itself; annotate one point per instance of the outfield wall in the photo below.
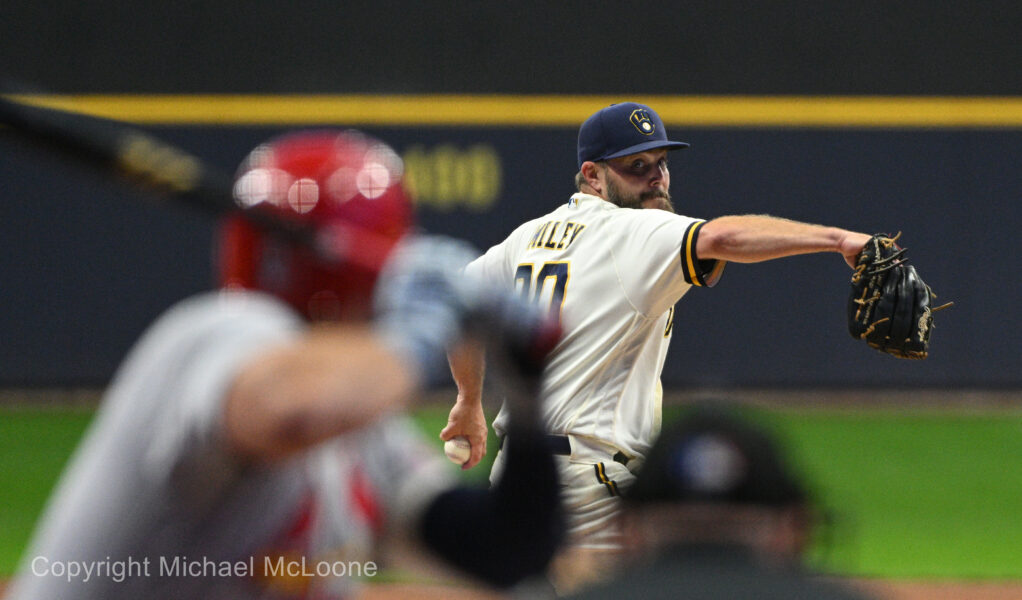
(893, 116)
(87, 263)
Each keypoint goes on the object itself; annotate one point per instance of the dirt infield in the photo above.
(951, 590)
(882, 590)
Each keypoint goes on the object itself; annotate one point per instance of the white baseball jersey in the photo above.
(154, 504)
(612, 275)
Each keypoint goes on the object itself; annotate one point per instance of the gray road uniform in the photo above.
(155, 505)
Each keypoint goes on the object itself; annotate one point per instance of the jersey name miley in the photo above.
(555, 235)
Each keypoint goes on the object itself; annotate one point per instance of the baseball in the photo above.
(458, 449)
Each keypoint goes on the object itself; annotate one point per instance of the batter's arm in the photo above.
(755, 238)
(341, 377)
(510, 531)
(468, 367)
(335, 379)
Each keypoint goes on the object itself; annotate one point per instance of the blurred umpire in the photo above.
(251, 446)
(716, 513)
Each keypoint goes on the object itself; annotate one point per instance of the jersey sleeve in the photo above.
(697, 272)
(181, 372)
(657, 260)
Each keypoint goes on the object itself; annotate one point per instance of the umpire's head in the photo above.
(715, 478)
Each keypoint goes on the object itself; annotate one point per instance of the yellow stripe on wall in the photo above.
(552, 111)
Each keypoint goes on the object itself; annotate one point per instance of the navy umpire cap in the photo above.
(713, 455)
(620, 130)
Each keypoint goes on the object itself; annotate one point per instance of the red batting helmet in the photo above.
(344, 184)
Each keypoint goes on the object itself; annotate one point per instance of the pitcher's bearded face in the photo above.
(639, 181)
(649, 199)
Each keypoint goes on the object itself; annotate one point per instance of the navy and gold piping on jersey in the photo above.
(702, 273)
(601, 476)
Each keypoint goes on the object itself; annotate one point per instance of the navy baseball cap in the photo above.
(620, 130)
(714, 455)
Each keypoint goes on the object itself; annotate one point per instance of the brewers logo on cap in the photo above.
(642, 121)
(622, 129)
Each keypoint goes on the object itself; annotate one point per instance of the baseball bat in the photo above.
(116, 147)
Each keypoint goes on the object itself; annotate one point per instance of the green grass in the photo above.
(913, 494)
(34, 445)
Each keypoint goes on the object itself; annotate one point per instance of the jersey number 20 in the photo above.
(535, 289)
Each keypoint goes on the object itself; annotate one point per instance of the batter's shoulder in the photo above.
(215, 315)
